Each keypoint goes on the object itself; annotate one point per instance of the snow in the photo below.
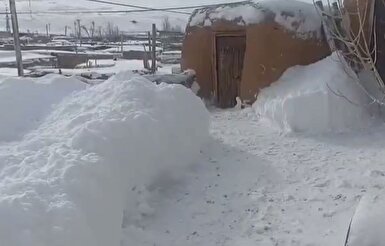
(71, 181)
(330, 101)
(9, 56)
(10, 72)
(368, 222)
(30, 101)
(256, 186)
(128, 162)
(130, 48)
(106, 67)
(296, 16)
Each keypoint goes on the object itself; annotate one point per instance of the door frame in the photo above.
(214, 63)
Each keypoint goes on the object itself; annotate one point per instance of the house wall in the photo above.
(197, 54)
(270, 50)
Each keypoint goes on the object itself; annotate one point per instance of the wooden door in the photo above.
(230, 52)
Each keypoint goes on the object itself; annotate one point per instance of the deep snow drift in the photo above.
(25, 102)
(321, 97)
(69, 181)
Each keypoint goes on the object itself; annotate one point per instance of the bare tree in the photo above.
(112, 32)
(166, 25)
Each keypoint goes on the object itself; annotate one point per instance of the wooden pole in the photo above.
(121, 43)
(16, 38)
(8, 26)
(79, 32)
(153, 49)
(149, 42)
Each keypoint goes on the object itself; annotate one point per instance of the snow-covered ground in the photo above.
(72, 178)
(128, 162)
(254, 185)
(10, 72)
(7, 57)
(259, 184)
(109, 67)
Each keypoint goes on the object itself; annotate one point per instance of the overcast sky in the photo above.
(142, 22)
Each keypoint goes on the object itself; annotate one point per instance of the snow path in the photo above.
(256, 186)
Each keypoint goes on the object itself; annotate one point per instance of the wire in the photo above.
(142, 9)
(80, 12)
(133, 6)
(166, 9)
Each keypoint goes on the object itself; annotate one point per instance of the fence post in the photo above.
(153, 50)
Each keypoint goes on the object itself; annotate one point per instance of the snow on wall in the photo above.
(299, 17)
(25, 102)
(68, 182)
(305, 99)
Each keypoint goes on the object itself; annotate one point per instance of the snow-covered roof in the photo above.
(299, 17)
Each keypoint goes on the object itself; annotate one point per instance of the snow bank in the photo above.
(298, 17)
(67, 183)
(25, 102)
(368, 223)
(304, 99)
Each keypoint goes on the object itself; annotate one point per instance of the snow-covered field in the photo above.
(7, 57)
(128, 162)
(107, 67)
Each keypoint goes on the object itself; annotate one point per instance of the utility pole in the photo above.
(100, 32)
(121, 43)
(16, 38)
(75, 30)
(153, 64)
(65, 30)
(8, 26)
(79, 31)
(46, 30)
(92, 29)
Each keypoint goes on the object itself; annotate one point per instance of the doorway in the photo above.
(230, 53)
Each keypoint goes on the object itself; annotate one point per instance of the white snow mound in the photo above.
(25, 102)
(67, 183)
(368, 222)
(322, 97)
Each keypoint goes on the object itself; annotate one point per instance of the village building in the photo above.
(237, 49)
